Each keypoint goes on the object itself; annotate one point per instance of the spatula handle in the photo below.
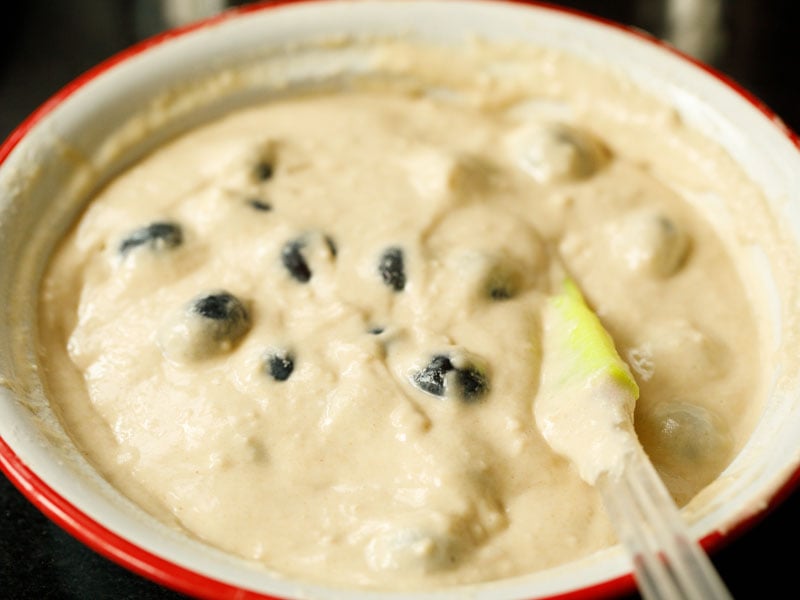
(668, 563)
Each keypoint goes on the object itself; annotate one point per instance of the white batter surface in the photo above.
(308, 332)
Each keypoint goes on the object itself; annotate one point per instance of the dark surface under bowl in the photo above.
(45, 44)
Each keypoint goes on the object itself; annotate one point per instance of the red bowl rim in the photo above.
(178, 578)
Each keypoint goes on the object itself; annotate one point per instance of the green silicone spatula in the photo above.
(584, 409)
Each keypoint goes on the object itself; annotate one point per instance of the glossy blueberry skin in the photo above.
(431, 379)
(498, 291)
(259, 205)
(471, 384)
(225, 316)
(279, 365)
(294, 261)
(218, 306)
(263, 171)
(160, 235)
(208, 325)
(392, 268)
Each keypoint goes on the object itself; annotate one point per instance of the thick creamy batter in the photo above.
(308, 333)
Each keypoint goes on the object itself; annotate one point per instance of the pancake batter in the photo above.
(307, 333)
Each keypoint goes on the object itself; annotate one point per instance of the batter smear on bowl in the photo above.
(308, 332)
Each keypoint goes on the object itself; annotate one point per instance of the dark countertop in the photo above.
(44, 44)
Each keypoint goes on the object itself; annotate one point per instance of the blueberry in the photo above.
(690, 444)
(470, 382)
(684, 433)
(263, 171)
(209, 324)
(294, 252)
(500, 291)
(331, 245)
(431, 379)
(416, 548)
(650, 242)
(558, 152)
(259, 204)
(279, 365)
(392, 269)
(220, 306)
(501, 280)
(225, 317)
(157, 236)
(295, 262)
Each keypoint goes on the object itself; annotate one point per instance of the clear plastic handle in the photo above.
(668, 563)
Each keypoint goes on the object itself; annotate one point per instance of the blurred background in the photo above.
(46, 43)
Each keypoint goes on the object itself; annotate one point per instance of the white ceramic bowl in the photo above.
(41, 193)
